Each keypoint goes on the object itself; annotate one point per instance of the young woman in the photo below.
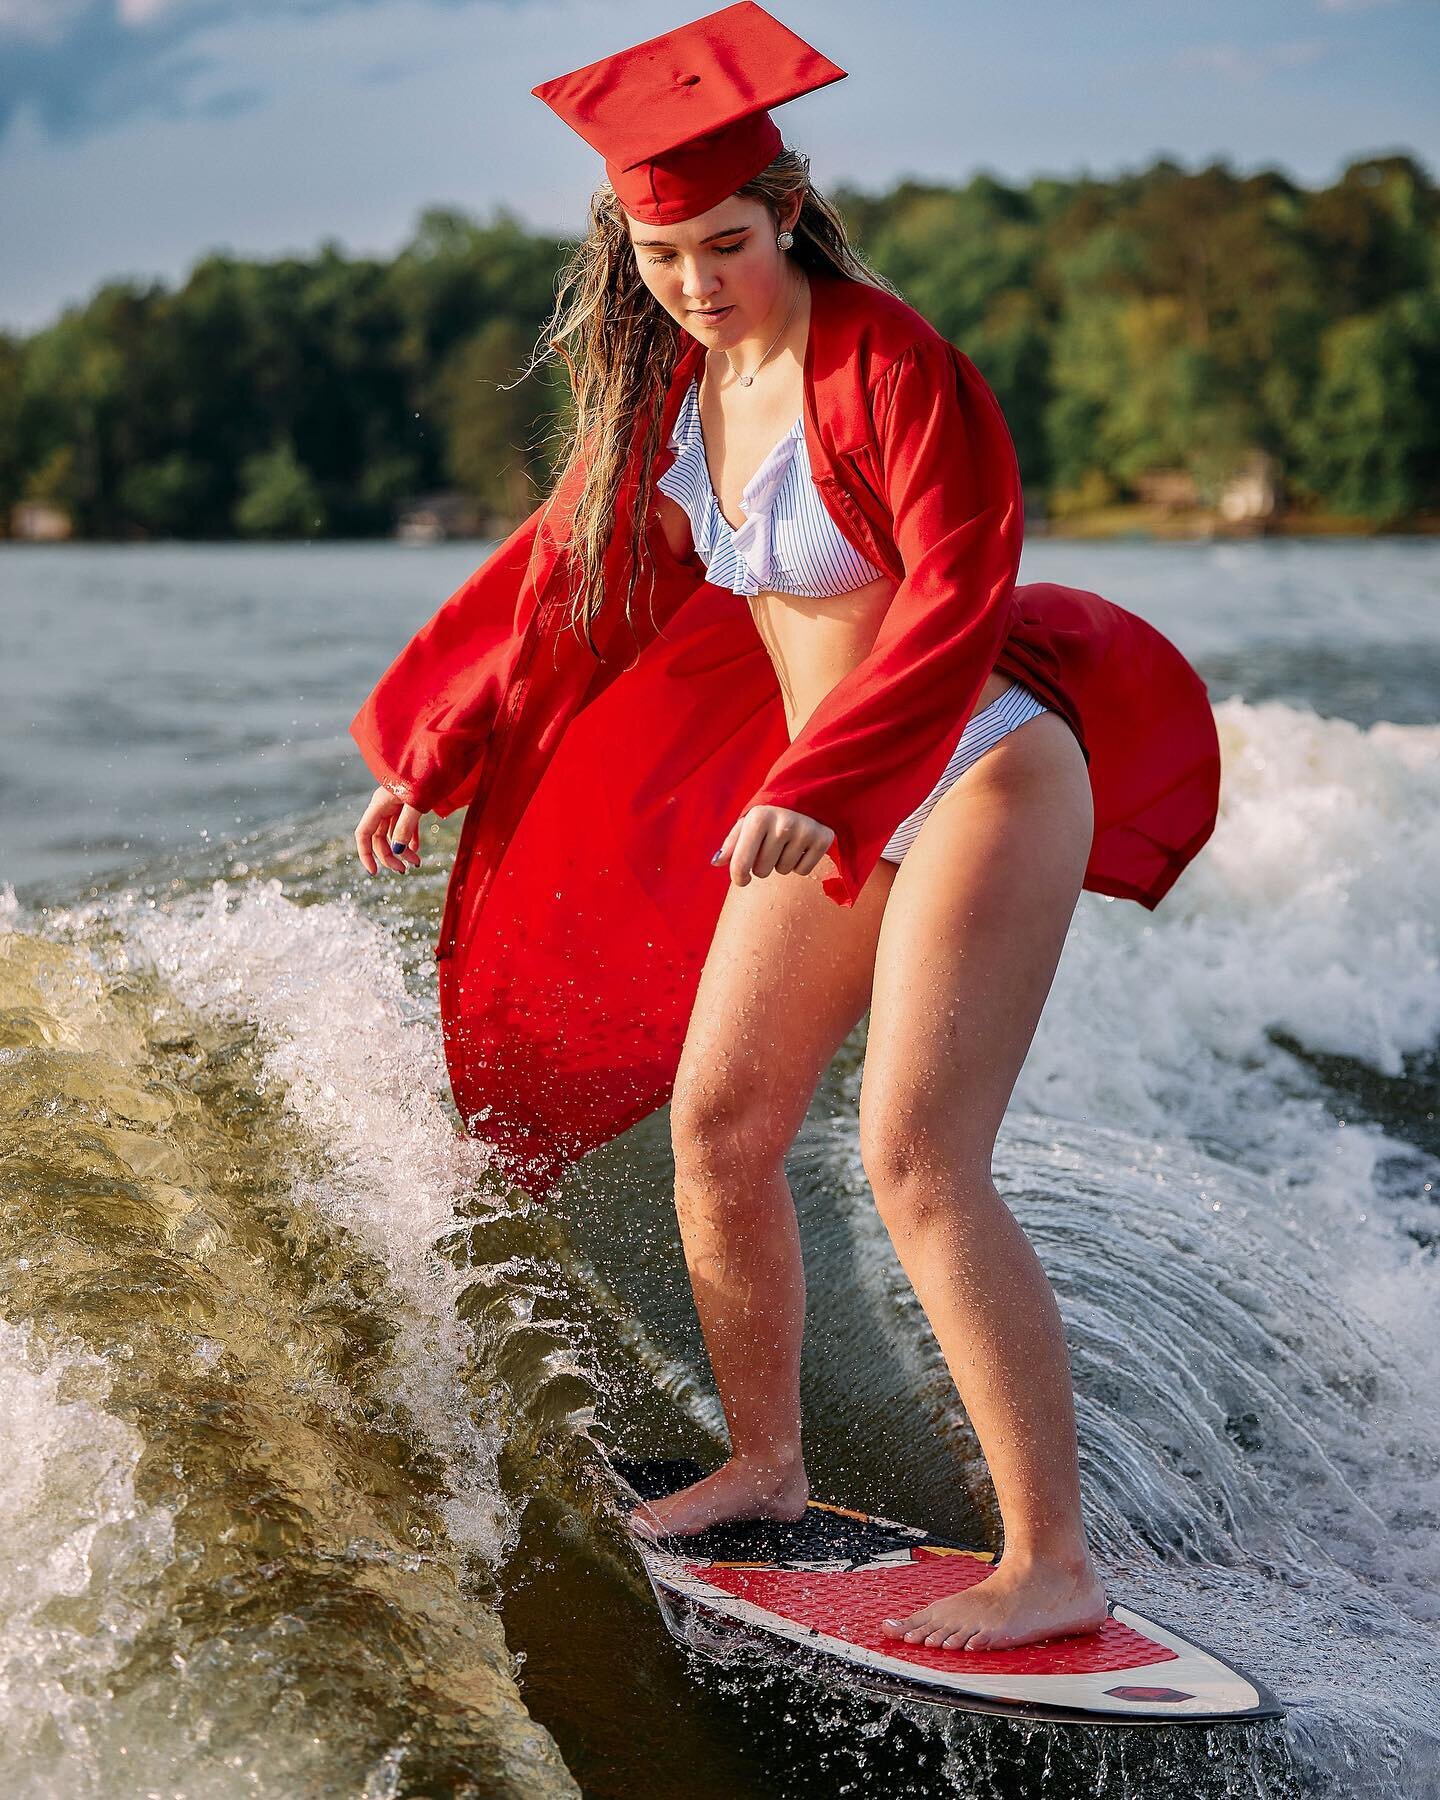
(824, 499)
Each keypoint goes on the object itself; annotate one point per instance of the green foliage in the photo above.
(1177, 320)
(494, 421)
(279, 497)
(1164, 319)
(13, 469)
(1370, 446)
(968, 260)
(160, 497)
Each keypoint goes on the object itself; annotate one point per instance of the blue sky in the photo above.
(137, 134)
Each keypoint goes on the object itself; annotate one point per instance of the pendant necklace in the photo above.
(746, 380)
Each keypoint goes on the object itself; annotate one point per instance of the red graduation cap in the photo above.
(681, 119)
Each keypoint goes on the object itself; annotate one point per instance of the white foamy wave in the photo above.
(1249, 1310)
(361, 1067)
(81, 1553)
(1305, 930)
(1310, 912)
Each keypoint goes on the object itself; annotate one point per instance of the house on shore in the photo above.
(40, 522)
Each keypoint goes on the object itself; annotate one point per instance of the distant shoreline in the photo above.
(1152, 522)
(1130, 523)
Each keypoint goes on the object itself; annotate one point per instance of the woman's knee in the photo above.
(722, 1123)
(920, 1159)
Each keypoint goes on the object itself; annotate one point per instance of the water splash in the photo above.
(1248, 1296)
(311, 1624)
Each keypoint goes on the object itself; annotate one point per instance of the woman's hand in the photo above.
(772, 840)
(389, 831)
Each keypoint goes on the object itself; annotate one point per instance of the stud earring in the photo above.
(785, 239)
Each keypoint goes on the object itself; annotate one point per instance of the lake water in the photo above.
(300, 1496)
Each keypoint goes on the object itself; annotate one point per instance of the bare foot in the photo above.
(736, 1490)
(1018, 1604)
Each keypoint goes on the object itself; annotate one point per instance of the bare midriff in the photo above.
(813, 642)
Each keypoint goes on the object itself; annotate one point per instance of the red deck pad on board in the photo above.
(850, 1604)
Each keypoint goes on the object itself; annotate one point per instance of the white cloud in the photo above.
(141, 12)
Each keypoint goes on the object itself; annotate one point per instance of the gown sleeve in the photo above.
(876, 744)
(424, 724)
(424, 727)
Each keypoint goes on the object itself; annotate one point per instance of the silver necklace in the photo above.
(745, 380)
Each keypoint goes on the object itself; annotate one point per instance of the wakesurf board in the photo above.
(816, 1591)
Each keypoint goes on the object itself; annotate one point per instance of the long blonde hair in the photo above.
(620, 347)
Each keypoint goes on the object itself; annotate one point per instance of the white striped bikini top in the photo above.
(787, 543)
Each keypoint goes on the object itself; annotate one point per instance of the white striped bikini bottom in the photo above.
(985, 730)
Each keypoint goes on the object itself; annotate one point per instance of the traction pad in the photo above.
(754, 1560)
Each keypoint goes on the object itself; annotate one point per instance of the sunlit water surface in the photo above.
(301, 1495)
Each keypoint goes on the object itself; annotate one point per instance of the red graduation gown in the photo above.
(582, 900)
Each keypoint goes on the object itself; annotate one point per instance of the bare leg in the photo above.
(972, 934)
(786, 978)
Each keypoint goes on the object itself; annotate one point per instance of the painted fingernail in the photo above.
(716, 857)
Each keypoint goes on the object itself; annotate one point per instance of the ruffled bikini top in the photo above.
(787, 542)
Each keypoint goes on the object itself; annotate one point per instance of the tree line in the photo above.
(1166, 319)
